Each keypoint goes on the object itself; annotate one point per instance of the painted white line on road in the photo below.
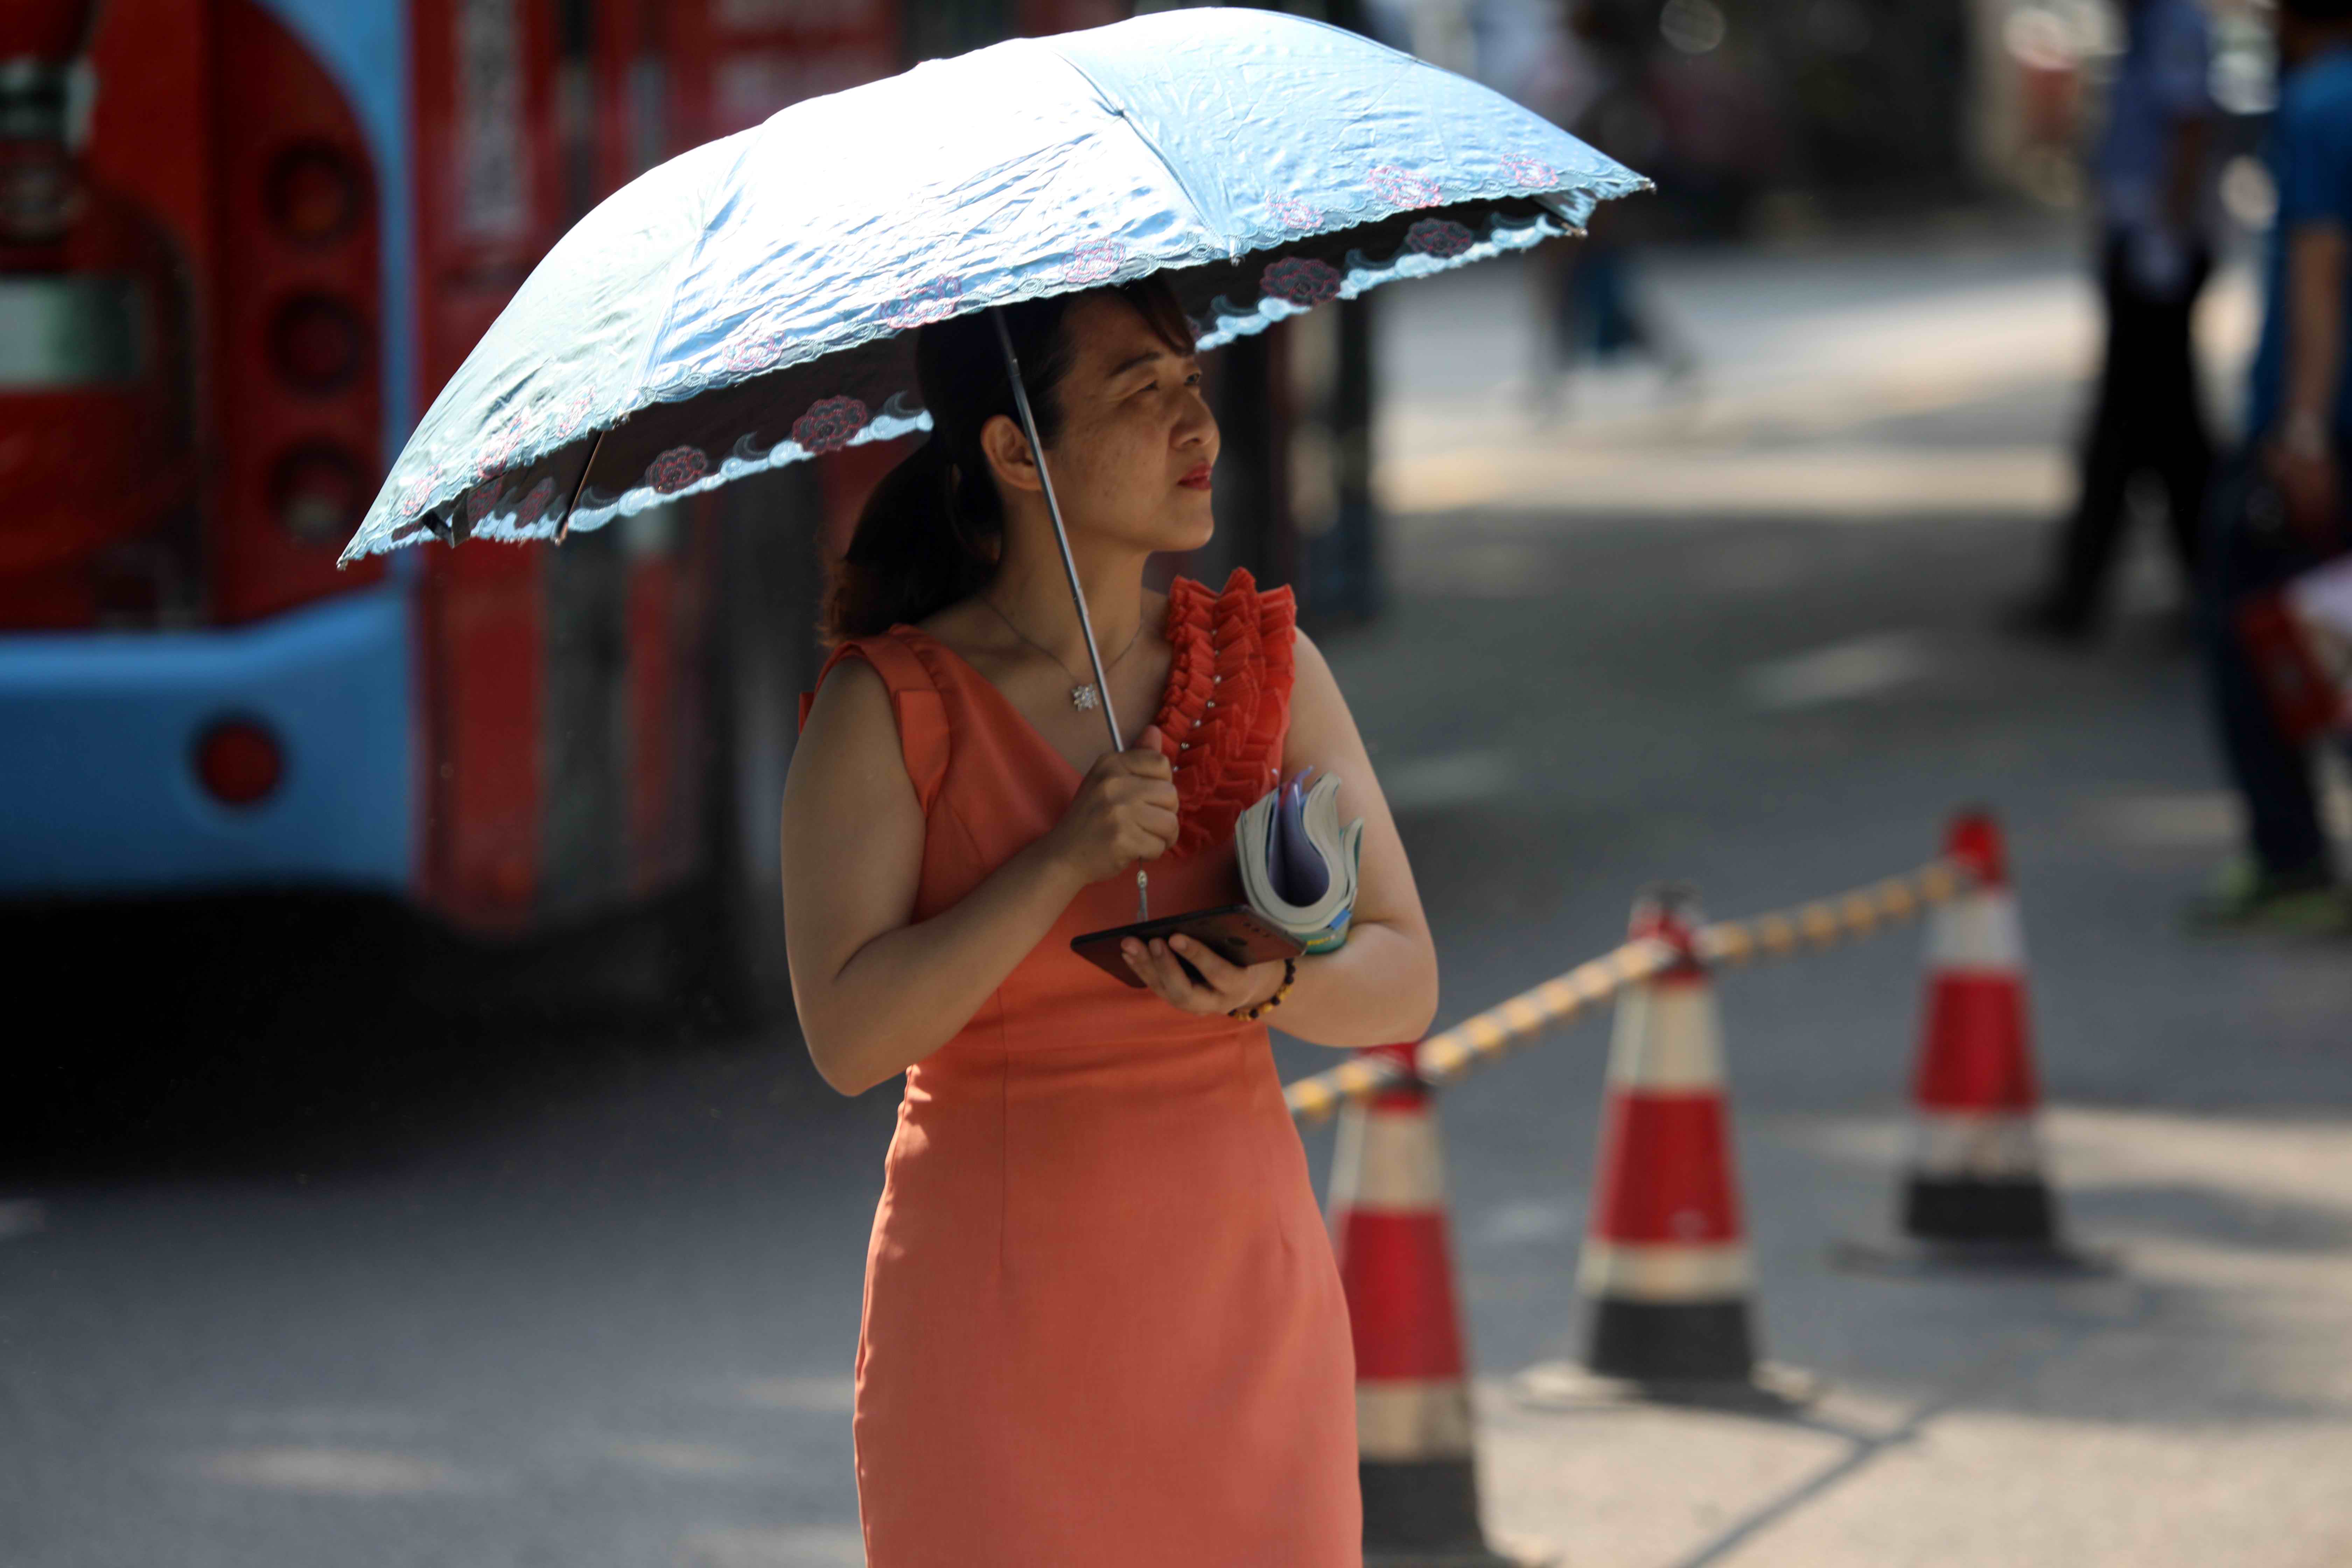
(812, 1546)
(1455, 778)
(1847, 482)
(1817, 338)
(824, 1394)
(1842, 672)
(2190, 819)
(2211, 820)
(686, 1459)
(1527, 1222)
(335, 1472)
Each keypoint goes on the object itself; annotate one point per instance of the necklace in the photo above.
(1083, 695)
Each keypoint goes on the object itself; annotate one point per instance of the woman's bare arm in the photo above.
(1381, 987)
(876, 994)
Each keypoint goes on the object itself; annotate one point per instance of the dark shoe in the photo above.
(2246, 898)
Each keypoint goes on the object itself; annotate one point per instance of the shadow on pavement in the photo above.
(248, 1036)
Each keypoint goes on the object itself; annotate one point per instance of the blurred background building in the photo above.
(245, 241)
(1763, 116)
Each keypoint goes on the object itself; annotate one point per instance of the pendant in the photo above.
(1082, 698)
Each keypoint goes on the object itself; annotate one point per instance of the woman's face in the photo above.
(1132, 458)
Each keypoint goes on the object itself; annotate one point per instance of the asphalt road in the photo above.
(294, 1271)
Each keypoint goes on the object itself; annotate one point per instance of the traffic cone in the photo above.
(1974, 1195)
(1413, 1395)
(1665, 1263)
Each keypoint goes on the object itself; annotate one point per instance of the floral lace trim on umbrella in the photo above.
(1228, 704)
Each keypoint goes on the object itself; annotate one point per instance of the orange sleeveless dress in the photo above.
(1103, 1326)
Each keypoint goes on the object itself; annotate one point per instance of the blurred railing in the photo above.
(1488, 1036)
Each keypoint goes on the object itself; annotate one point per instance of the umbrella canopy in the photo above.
(749, 303)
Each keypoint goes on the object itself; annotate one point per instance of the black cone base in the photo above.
(1681, 1342)
(1697, 1353)
(1424, 1514)
(1937, 1208)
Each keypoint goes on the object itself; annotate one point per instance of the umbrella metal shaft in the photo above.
(1069, 567)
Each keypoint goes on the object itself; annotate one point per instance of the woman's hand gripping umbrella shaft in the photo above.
(1069, 563)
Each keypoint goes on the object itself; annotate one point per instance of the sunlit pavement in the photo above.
(605, 1313)
(1749, 638)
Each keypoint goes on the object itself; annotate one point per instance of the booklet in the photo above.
(1299, 865)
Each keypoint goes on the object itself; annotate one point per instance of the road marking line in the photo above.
(1842, 672)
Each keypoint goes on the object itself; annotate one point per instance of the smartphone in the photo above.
(1236, 933)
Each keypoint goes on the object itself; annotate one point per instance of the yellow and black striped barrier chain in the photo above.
(1478, 1040)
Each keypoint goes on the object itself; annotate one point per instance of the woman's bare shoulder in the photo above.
(848, 769)
(851, 702)
(1319, 714)
(1312, 667)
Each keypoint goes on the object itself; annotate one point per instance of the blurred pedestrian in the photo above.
(2156, 209)
(1591, 79)
(1101, 1323)
(2279, 506)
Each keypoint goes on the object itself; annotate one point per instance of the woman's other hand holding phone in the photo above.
(1224, 987)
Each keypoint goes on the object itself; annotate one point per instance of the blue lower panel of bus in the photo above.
(99, 739)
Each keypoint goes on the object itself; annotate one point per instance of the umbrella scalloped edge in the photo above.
(1232, 322)
(1432, 245)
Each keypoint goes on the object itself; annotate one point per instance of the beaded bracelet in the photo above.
(1250, 1015)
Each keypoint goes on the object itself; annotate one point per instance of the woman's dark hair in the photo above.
(930, 532)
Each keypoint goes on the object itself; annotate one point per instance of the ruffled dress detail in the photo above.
(1228, 702)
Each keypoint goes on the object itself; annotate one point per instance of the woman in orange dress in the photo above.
(1102, 1324)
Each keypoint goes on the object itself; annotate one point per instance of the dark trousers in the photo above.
(2273, 775)
(2147, 418)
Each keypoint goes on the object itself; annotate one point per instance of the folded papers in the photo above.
(1299, 865)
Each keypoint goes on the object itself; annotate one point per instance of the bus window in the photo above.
(70, 331)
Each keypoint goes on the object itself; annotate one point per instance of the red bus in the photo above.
(242, 243)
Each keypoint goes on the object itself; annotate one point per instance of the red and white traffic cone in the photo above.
(1414, 1429)
(1975, 1193)
(1665, 1263)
